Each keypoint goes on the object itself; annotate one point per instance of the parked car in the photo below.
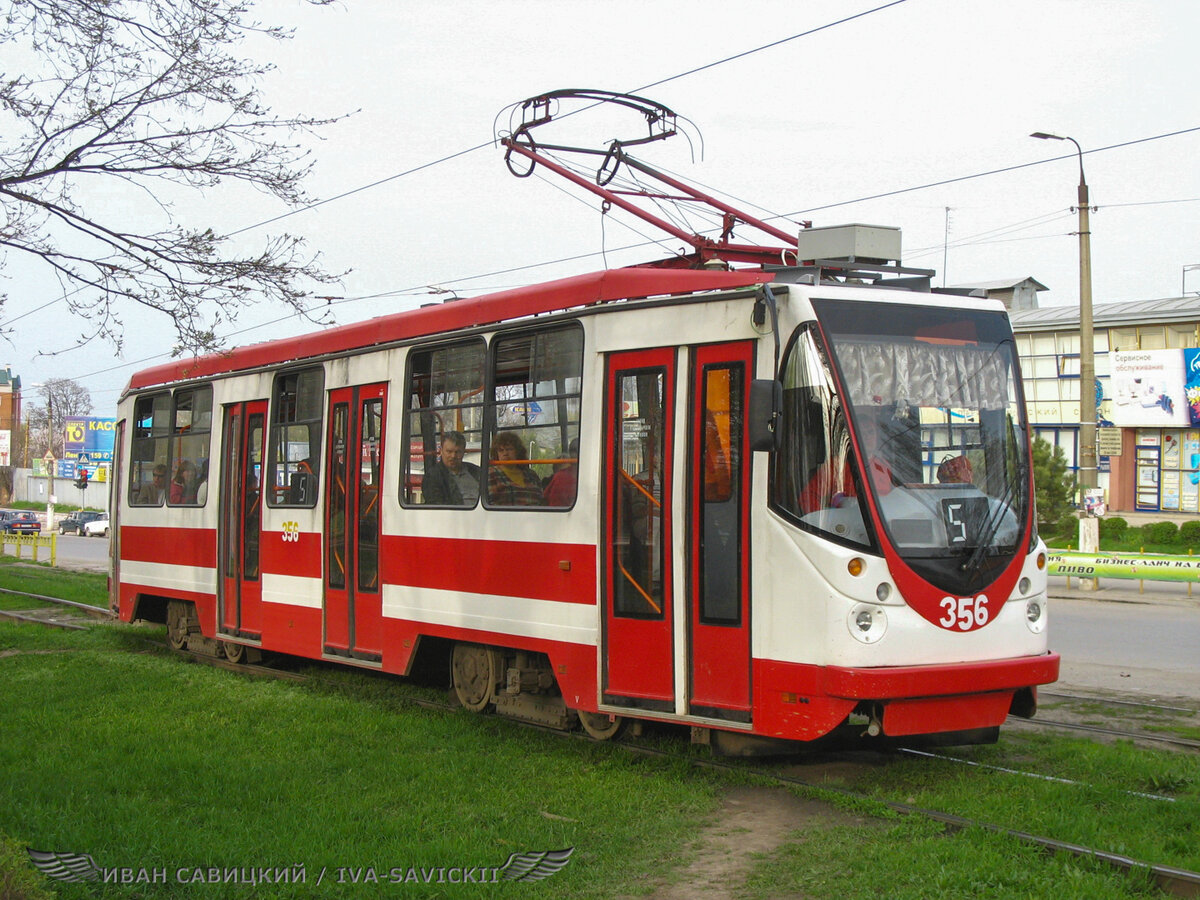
(21, 523)
(75, 521)
(97, 527)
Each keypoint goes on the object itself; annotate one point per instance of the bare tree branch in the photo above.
(142, 94)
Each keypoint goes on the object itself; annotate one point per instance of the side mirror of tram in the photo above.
(766, 404)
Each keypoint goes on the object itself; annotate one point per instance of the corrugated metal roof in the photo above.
(1109, 315)
(1005, 284)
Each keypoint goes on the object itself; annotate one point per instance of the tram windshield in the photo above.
(933, 395)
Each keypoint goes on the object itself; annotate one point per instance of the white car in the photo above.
(96, 527)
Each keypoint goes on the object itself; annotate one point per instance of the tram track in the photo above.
(1171, 880)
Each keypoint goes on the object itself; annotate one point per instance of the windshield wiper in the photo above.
(992, 525)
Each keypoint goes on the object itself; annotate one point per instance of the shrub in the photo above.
(1189, 534)
(1115, 528)
(1054, 488)
(1066, 527)
(1161, 533)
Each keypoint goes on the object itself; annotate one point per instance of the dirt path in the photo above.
(752, 822)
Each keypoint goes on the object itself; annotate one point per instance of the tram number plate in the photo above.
(964, 518)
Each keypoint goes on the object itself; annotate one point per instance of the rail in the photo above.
(1140, 567)
(34, 541)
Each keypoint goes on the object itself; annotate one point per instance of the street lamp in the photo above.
(1087, 361)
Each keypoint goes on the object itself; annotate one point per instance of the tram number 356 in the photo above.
(291, 532)
(964, 613)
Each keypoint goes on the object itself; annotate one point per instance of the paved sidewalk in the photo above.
(1123, 590)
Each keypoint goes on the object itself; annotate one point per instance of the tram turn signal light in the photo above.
(855, 566)
(1041, 560)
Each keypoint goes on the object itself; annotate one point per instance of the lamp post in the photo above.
(1087, 362)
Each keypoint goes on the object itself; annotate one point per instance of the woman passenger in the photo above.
(510, 480)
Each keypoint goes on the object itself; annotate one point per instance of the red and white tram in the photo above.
(750, 535)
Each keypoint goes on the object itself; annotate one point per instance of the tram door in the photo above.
(719, 522)
(354, 475)
(638, 654)
(242, 453)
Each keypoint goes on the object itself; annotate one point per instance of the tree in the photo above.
(62, 398)
(134, 96)
(1053, 488)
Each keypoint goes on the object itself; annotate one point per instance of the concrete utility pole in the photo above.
(1089, 532)
(1087, 347)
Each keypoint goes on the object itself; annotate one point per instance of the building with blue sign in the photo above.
(1147, 391)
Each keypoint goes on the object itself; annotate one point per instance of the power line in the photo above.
(490, 143)
(1001, 171)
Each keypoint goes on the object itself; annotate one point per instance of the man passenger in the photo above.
(450, 481)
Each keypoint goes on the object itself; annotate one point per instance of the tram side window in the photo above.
(812, 477)
(191, 431)
(150, 446)
(537, 383)
(295, 438)
(445, 426)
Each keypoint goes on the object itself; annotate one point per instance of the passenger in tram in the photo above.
(202, 484)
(955, 470)
(183, 485)
(151, 493)
(450, 481)
(510, 480)
(563, 483)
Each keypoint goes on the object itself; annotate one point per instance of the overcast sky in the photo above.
(919, 93)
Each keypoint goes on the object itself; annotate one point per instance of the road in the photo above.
(1148, 646)
(83, 552)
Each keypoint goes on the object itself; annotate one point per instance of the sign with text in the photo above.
(1148, 389)
(1110, 441)
(89, 440)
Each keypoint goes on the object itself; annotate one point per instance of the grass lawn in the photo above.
(114, 749)
(144, 762)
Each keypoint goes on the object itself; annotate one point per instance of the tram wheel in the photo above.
(601, 726)
(474, 669)
(177, 625)
(235, 653)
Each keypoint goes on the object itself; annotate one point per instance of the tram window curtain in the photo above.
(919, 373)
(297, 404)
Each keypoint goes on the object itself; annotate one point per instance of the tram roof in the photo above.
(565, 293)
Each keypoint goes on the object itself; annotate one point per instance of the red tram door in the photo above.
(354, 475)
(719, 552)
(240, 612)
(638, 647)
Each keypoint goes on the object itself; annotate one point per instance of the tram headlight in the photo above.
(867, 623)
(882, 591)
(1023, 586)
(1035, 615)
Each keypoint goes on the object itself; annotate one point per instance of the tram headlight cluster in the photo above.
(1035, 614)
(867, 623)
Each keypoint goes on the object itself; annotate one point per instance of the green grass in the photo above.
(112, 748)
(143, 761)
(40, 578)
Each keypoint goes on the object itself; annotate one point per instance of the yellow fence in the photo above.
(33, 541)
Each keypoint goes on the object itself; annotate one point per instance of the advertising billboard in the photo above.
(89, 440)
(1148, 389)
